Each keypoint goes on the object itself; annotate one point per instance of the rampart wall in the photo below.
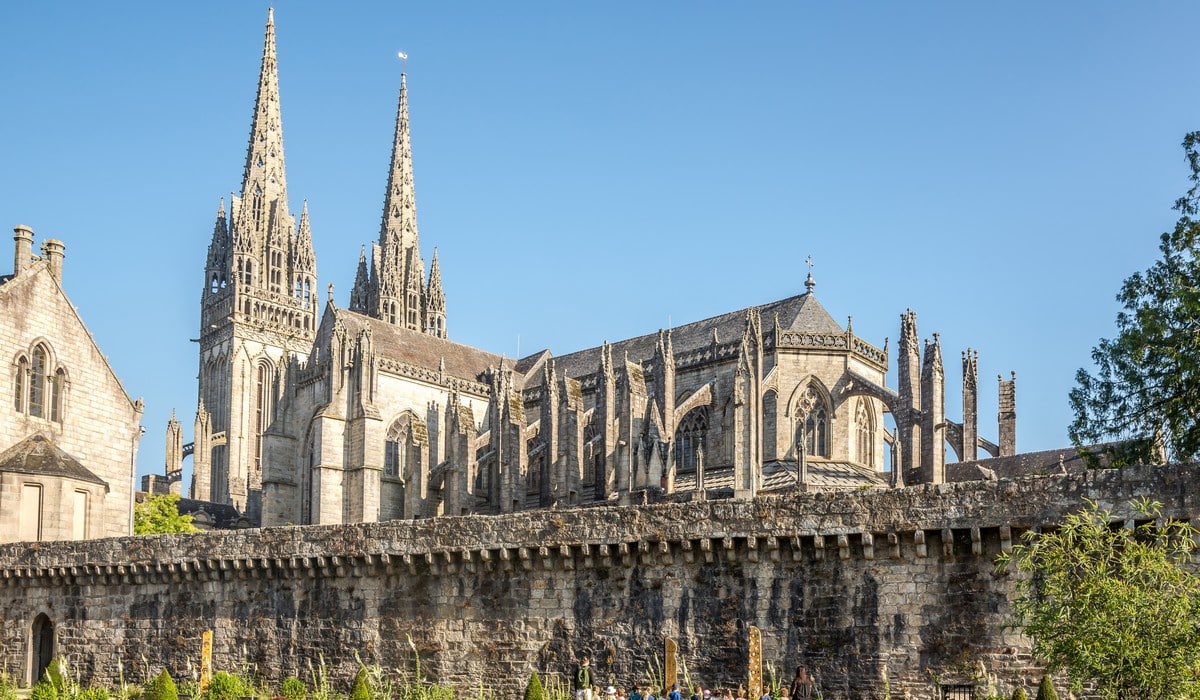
(856, 586)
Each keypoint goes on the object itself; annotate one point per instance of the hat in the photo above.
(708, 693)
(610, 690)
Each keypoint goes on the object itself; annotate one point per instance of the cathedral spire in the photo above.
(399, 226)
(264, 175)
(398, 294)
(435, 300)
(360, 294)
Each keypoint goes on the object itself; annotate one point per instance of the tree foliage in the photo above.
(1114, 607)
(159, 515)
(1146, 386)
(533, 689)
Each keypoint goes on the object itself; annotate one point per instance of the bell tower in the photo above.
(258, 306)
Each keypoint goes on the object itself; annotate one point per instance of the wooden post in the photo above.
(755, 690)
(670, 666)
(205, 659)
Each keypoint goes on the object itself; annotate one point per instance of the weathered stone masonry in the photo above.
(855, 585)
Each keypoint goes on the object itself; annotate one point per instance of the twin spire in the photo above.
(258, 246)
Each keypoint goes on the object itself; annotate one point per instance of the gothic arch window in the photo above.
(276, 271)
(37, 382)
(864, 433)
(690, 439)
(57, 384)
(401, 449)
(261, 415)
(20, 384)
(215, 284)
(812, 415)
(391, 312)
(770, 413)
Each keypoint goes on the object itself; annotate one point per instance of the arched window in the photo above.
(690, 438)
(262, 407)
(57, 385)
(402, 449)
(37, 383)
(276, 271)
(812, 414)
(20, 383)
(770, 416)
(864, 430)
(42, 645)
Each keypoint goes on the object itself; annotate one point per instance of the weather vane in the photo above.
(810, 282)
(403, 56)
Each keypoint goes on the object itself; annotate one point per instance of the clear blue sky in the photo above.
(594, 171)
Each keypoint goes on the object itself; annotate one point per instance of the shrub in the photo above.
(161, 688)
(43, 690)
(533, 689)
(228, 686)
(360, 691)
(93, 694)
(1046, 690)
(8, 687)
(1019, 694)
(293, 688)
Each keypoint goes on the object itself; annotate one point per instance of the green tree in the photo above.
(360, 691)
(161, 688)
(1046, 689)
(1114, 607)
(1146, 386)
(533, 689)
(159, 515)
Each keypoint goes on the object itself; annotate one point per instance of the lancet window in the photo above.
(864, 431)
(37, 388)
(812, 416)
(690, 438)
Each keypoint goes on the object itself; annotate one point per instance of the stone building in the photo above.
(373, 413)
(68, 431)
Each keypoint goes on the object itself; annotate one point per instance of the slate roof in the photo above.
(207, 515)
(1028, 464)
(800, 313)
(781, 476)
(422, 349)
(37, 454)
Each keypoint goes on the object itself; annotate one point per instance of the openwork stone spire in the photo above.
(264, 156)
(398, 231)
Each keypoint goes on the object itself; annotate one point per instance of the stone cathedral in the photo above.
(310, 412)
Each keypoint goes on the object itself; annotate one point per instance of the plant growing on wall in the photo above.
(1114, 607)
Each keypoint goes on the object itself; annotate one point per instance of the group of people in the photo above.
(583, 684)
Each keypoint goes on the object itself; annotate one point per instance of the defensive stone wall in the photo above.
(862, 586)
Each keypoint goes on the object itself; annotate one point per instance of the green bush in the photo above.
(93, 694)
(294, 689)
(8, 687)
(161, 688)
(43, 689)
(228, 686)
(1019, 694)
(360, 691)
(1046, 690)
(533, 689)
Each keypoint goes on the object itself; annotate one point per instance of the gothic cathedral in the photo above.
(370, 412)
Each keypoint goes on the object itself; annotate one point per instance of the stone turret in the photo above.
(435, 301)
(173, 462)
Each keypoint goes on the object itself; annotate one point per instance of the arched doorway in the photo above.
(42, 646)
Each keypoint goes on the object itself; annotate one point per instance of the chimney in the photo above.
(52, 251)
(23, 250)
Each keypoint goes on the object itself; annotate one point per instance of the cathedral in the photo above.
(311, 412)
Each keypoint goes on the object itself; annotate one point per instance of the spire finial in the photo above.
(810, 282)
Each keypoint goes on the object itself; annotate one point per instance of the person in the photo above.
(802, 685)
(675, 694)
(783, 693)
(581, 682)
(697, 693)
(766, 693)
(635, 692)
